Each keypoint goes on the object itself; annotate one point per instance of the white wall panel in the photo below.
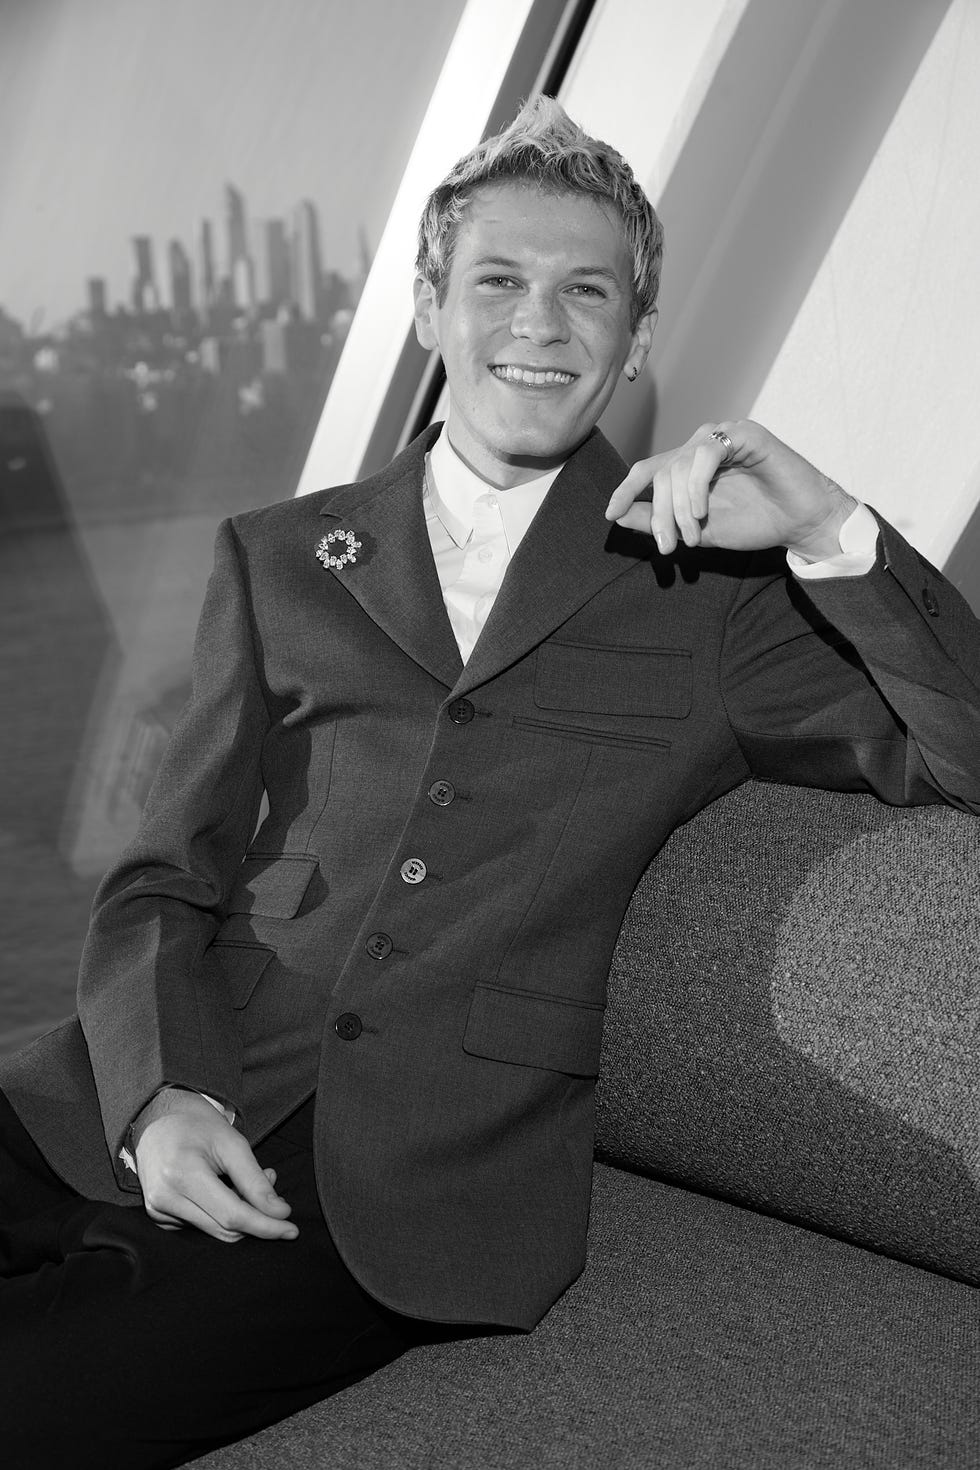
(878, 379)
(816, 166)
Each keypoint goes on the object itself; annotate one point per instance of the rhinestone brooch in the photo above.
(346, 554)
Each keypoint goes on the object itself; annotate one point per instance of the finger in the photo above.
(662, 522)
(270, 1174)
(217, 1209)
(235, 1159)
(708, 460)
(636, 483)
(691, 482)
(194, 1216)
(680, 492)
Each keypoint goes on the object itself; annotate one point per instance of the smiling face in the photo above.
(534, 329)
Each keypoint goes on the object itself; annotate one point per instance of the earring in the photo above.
(632, 374)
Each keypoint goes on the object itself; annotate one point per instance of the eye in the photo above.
(589, 292)
(498, 283)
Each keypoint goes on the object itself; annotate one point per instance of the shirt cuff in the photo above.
(126, 1154)
(858, 538)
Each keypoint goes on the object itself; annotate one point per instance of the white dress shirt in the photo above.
(474, 530)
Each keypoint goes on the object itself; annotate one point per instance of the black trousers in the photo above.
(125, 1346)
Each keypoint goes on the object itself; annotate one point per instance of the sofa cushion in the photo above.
(796, 1024)
(702, 1336)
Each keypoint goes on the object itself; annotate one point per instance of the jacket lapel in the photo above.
(568, 554)
(394, 576)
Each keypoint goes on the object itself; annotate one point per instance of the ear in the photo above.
(426, 312)
(640, 348)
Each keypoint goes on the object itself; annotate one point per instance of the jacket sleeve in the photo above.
(151, 1014)
(858, 683)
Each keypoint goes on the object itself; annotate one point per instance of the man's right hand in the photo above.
(195, 1169)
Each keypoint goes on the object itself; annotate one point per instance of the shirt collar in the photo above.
(453, 489)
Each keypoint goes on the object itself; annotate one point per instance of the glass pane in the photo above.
(191, 190)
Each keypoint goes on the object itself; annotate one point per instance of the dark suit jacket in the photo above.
(451, 1026)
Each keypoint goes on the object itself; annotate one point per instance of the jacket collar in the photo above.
(569, 553)
(394, 577)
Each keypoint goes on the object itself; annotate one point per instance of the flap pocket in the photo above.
(242, 966)
(272, 884)
(611, 680)
(534, 1030)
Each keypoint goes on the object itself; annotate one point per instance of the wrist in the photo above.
(822, 539)
(169, 1099)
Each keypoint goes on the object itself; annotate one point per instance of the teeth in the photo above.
(528, 375)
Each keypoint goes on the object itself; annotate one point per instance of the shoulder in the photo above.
(288, 518)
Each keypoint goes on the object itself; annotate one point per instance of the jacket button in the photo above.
(413, 870)
(379, 946)
(442, 792)
(929, 602)
(461, 711)
(348, 1026)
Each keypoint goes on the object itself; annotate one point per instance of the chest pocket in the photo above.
(607, 679)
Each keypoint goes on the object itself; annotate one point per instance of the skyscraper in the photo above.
(145, 296)
(180, 277)
(307, 269)
(205, 266)
(240, 270)
(96, 296)
(272, 274)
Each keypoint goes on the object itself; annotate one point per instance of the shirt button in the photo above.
(461, 711)
(413, 870)
(348, 1026)
(379, 946)
(929, 602)
(485, 553)
(442, 792)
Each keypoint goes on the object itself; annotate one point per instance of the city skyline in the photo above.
(265, 260)
(119, 117)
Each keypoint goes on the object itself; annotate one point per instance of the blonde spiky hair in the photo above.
(544, 147)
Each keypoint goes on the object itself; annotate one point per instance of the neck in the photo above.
(506, 474)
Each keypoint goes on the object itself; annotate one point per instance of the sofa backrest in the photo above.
(794, 1019)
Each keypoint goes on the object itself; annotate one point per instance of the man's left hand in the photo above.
(759, 494)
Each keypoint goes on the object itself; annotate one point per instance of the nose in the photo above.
(539, 318)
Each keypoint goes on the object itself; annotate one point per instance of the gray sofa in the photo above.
(785, 1238)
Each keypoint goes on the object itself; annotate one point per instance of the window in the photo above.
(192, 196)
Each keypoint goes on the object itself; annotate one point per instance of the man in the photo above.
(346, 1062)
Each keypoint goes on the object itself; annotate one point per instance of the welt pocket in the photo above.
(241, 966)
(609, 679)
(272, 884)
(531, 1029)
(629, 740)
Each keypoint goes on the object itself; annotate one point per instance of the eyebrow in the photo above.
(501, 262)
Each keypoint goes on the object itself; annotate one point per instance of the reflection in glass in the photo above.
(188, 259)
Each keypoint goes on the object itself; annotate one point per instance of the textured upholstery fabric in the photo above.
(701, 1337)
(796, 1024)
(793, 1024)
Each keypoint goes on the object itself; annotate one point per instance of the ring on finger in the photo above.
(727, 444)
